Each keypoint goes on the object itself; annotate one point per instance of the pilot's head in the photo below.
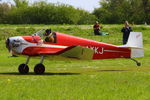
(47, 32)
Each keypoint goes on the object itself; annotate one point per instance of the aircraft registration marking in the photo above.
(137, 36)
(97, 50)
(101, 50)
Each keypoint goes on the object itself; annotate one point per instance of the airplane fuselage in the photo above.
(33, 45)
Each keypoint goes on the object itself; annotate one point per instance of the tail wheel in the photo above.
(39, 69)
(23, 69)
(138, 64)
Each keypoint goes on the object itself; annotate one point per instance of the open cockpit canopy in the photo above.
(39, 33)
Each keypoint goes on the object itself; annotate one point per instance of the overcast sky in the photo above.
(88, 5)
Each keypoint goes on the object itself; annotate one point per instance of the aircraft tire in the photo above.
(138, 64)
(23, 69)
(39, 69)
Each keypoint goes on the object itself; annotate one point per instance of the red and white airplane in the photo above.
(71, 47)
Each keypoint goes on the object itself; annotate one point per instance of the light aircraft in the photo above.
(71, 47)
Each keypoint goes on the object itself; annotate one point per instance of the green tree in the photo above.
(21, 3)
(4, 10)
(86, 18)
(117, 11)
(46, 13)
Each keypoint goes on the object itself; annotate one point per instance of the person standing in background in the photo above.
(126, 32)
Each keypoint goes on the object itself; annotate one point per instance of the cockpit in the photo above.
(50, 38)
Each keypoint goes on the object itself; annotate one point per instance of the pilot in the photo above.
(49, 36)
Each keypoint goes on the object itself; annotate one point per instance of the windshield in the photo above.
(51, 38)
(39, 33)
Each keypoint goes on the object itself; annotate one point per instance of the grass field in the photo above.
(113, 79)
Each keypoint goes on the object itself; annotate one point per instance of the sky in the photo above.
(87, 5)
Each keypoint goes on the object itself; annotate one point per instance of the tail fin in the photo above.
(135, 42)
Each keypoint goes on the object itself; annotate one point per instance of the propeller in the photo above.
(7, 42)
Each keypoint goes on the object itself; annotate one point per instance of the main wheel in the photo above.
(39, 69)
(23, 69)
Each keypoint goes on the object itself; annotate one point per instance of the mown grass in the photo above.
(113, 79)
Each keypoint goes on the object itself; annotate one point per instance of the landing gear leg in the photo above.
(40, 68)
(137, 63)
(23, 68)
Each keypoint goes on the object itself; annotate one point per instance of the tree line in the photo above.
(117, 11)
(43, 13)
(110, 12)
